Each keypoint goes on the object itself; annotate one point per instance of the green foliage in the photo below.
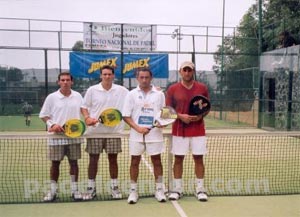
(10, 74)
(280, 15)
(78, 46)
(240, 51)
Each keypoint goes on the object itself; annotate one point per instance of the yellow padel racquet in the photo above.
(74, 128)
(110, 117)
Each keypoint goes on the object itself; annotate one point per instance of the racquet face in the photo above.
(110, 117)
(199, 105)
(74, 128)
(167, 115)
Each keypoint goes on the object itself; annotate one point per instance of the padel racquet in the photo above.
(74, 128)
(166, 116)
(199, 105)
(110, 117)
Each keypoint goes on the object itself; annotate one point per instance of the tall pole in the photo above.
(260, 96)
(222, 61)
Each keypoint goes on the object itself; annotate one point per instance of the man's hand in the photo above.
(185, 118)
(91, 121)
(55, 128)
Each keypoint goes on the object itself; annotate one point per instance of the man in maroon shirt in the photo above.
(188, 131)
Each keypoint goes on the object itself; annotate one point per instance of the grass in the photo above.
(235, 165)
(17, 123)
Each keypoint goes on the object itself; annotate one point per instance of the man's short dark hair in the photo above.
(65, 73)
(107, 67)
(146, 69)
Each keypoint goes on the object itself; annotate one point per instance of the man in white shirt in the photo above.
(60, 106)
(139, 110)
(98, 98)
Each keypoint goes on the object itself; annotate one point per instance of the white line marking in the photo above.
(178, 208)
(174, 203)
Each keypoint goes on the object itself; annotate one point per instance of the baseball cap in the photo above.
(187, 64)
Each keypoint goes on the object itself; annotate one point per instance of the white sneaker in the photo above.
(160, 195)
(201, 195)
(133, 197)
(90, 194)
(76, 195)
(175, 195)
(116, 193)
(50, 197)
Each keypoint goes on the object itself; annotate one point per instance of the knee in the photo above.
(178, 160)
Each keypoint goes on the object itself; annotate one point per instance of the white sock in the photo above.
(200, 183)
(91, 183)
(133, 186)
(74, 186)
(53, 186)
(177, 183)
(114, 182)
(159, 185)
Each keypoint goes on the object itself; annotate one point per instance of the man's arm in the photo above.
(137, 128)
(87, 119)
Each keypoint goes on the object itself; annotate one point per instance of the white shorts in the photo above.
(182, 145)
(151, 148)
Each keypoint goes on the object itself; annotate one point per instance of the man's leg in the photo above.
(158, 174)
(134, 173)
(93, 166)
(199, 171)
(28, 120)
(92, 172)
(113, 165)
(54, 174)
(113, 171)
(74, 172)
(178, 171)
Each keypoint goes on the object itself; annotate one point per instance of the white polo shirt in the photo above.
(98, 99)
(60, 108)
(143, 108)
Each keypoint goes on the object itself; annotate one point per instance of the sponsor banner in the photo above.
(101, 36)
(87, 65)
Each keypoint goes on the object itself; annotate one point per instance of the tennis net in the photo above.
(237, 164)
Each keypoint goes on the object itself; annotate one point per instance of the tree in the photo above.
(241, 50)
(240, 53)
(78, 46)
(280, 15)
(8, 75)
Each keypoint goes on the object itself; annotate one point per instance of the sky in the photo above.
(171, 12)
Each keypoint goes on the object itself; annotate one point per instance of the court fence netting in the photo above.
(237, 164)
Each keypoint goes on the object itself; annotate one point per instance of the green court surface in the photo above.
(244, 206)
(17, 123)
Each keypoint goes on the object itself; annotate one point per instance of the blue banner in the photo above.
(87, 65)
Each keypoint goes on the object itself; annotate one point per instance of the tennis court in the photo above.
(248, 164)
(246, 206)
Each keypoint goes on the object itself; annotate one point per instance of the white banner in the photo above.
(108, 37)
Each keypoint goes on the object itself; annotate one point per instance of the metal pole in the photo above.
(59, 50)
(222, 61)
(260, 97)
(177, 51)
(122, 56)
(46, 72)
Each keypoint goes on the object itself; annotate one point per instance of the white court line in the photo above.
(174, 203)
(178, 208)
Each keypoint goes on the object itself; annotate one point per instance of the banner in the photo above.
(108, 37)
(87, 65)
